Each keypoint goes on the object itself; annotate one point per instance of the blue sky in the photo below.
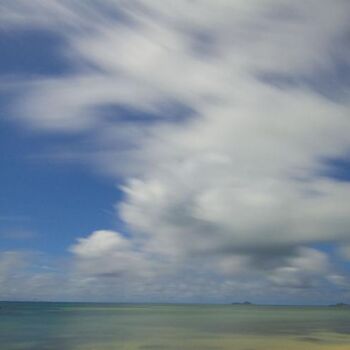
(47, 199)
(198, 153)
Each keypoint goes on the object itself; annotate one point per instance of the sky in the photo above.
(190, 151)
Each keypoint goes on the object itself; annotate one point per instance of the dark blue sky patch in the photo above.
(166, 112)
(59, 201)
(113, 13)
(32, 52)
(203, 43)
(119, 113)
(278, 80)
(337, 168)
(284, 12)
(326, 247)
(332, 83)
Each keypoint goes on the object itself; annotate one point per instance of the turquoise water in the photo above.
(75, 326)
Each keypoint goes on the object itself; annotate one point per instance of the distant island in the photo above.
(244, 303)
(340, 305)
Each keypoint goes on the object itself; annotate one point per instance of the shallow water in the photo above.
(76, 326)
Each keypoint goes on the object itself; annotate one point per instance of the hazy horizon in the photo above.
(170, 303)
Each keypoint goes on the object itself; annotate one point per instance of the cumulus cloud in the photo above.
(303, 270)
(108, 253)
(100, 243)
(231, 189)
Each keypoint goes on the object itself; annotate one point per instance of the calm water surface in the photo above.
(75, 326)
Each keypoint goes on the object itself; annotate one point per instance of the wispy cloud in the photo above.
(17, 234)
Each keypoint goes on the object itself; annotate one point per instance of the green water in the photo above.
(74, 326)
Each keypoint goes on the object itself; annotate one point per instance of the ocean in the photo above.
(80, 326)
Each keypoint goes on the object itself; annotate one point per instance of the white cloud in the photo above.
(108, 253)
(100, 243)
(233, 189)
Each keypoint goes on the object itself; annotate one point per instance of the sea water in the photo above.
(79, 326)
